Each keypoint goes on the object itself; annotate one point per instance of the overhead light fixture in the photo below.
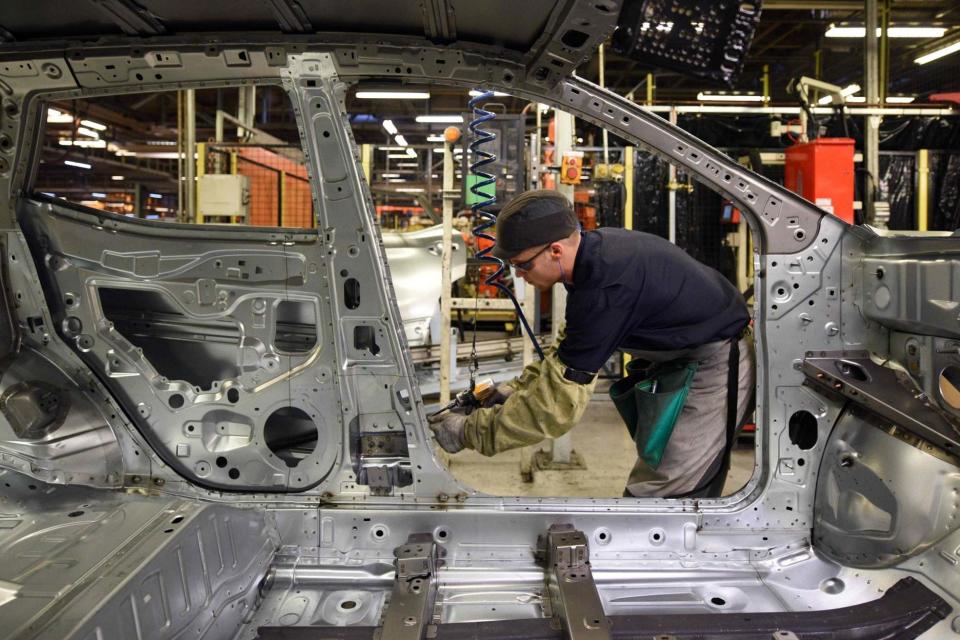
(390, 127)
(729, 97)
(409, 189)
(397, 156)
(440, 119)
(393, 95)
(117, 178)
(889, 100)
(91, 144)
(411, 153)
(854, 31)
(396, 180)
(400, 140)
(477, 92)
(436, 138)
(849, 90)
(156, 195)
(407, 164)
(939, 53)
(389, 175)
(438, 149)
(94, 125)
(88, 132)
(79, 165)
(392, 148)
(55, 116)
(97, 194)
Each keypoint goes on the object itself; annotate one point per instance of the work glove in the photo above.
(499, 396)
(448, 430)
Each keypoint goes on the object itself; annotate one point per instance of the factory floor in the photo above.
(601, 440)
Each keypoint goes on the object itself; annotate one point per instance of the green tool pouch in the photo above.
(650, 400)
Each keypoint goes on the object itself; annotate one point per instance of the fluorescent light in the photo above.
(389, 175)
(392, 148)
(87, 132)
(833, 31)
(79, 165)
(93, 144)
(409, 189)
(889, 100)
(915, 32)
(390, 127)
(117, 178)
(436, 138)
(396, 180)
(411, 152)
(438, 149)
(397, 156)
(477, 92)
(393, 95)
(939, 53)
(47, 193)
(97, 194)
(156, 195)
(849, 90)
(58, 117)
(94, 125)
(400, 140)
(440, 119)
(729, 97)
(407, 164)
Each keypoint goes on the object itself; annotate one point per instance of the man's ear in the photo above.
(556, 249)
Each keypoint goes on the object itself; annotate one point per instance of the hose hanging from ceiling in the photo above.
(485, 219)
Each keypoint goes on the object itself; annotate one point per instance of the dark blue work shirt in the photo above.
(638, 291)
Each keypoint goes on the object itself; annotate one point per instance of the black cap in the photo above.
(532, 219)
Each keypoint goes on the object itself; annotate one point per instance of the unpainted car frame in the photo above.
(136, 505)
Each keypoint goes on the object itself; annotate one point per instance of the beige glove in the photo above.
(448, 430)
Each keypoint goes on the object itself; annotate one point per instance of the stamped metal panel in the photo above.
(414, 259)
(881, 497)
(81, 563)
(208, 410)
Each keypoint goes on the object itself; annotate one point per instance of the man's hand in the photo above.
(499, 396)
(448, 430)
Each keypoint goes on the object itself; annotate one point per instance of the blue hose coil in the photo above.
(486, 219)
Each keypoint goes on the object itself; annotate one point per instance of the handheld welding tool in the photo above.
(469, 399)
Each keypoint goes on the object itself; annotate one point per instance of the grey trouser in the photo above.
(699, 435)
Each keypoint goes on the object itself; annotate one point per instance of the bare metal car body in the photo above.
(140, 505)
(414, 258)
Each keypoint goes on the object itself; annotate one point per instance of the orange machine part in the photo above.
(822, 172)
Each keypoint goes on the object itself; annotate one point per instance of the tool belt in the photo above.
(650, 400)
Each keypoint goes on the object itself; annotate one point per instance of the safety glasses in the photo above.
(527, 264)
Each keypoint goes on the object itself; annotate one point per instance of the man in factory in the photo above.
(639, 293)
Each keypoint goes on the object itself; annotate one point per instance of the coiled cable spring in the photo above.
(486, 219)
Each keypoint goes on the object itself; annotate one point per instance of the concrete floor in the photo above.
(602, 441)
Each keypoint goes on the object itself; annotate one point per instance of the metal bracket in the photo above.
(414, 590)
(890, 393)
(573, 602)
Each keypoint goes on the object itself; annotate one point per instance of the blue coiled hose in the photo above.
(486, 219)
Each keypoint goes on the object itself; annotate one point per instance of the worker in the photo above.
(635, 292)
